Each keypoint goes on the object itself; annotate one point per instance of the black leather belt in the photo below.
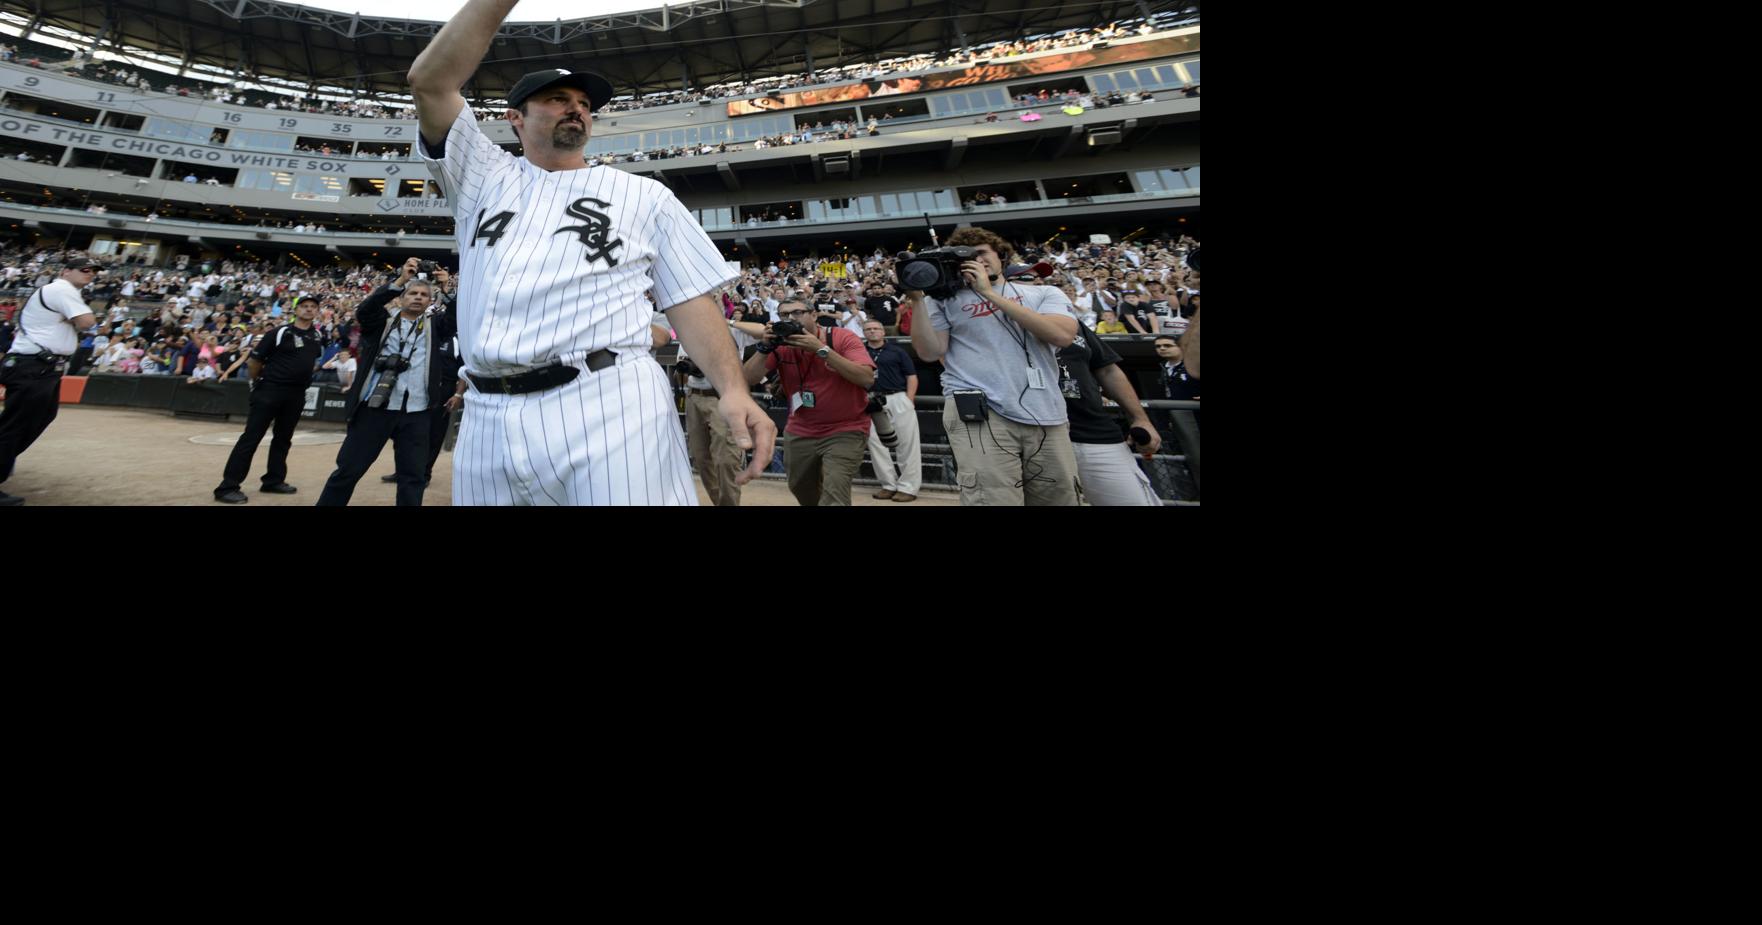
(894, 392)
(710, 392)
(548, 377)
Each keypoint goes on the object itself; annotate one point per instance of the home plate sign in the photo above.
(415, 206)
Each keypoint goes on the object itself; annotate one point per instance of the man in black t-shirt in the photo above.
(1138, 315)
(281, 364)
(884, 308)
(1089, 369)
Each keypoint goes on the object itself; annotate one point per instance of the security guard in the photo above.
(49, 329)
(282, 364)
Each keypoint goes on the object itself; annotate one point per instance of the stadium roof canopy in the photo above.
(699, 43)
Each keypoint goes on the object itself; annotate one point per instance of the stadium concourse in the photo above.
(223, 163)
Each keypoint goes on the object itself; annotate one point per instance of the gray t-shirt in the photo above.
(985, 351)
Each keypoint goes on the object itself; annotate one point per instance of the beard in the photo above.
(569, 135)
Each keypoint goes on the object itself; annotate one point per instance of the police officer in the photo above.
(401, 379)
(49, 329)
(281, 364)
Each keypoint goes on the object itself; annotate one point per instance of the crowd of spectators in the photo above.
(197, 323)
(1130, 288)
(1142, 288)
(241, 91)
(893, 67)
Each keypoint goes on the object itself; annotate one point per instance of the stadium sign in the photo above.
(121, 143)
(415, 206)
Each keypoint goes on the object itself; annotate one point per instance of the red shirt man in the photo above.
(827, 373)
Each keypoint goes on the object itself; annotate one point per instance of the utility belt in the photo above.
(538, 380)
(39, 362)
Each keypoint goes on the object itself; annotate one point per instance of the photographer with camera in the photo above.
(405, 375)
(893, 442)
(827, 374)
(441, 415)
(1004, 412)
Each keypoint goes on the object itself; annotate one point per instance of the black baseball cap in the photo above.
(597, 88)
(79, 263)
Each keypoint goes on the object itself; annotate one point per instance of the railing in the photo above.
(426, 239)
(1174, 476)
(1062, 202)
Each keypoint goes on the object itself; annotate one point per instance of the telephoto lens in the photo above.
(884, 431)
(383, 390)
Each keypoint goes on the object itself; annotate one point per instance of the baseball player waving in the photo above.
(566, 404)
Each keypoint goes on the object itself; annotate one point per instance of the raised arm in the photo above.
(449, 60)
(927, 342)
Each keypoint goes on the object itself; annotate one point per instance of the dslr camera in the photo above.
(427, 266)
(780, 332)
(388, 367)
(687, 368)
(937, 271)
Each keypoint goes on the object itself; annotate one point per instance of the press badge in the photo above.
(807, 398)
(1068, 384)
(1035, 380)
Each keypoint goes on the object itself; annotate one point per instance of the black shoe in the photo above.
(7, 500)
(282, 489)
(232, 497)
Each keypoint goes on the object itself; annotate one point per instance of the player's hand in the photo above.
(805, 341)
(454, 403)
(751, 429)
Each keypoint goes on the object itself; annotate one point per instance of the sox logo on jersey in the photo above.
(593, 234)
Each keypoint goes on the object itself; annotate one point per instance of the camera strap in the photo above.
(409, 340)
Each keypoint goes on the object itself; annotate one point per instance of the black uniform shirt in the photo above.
(1091, 421)
(884, 309)
(288, 355)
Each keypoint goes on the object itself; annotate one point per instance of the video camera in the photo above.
(936, 272)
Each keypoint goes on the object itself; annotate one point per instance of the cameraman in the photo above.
(404, 374)
(1009, 432)
(827, 374)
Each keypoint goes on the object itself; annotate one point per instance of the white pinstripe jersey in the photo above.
(555, 263)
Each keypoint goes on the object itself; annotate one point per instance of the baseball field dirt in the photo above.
(111, 456)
